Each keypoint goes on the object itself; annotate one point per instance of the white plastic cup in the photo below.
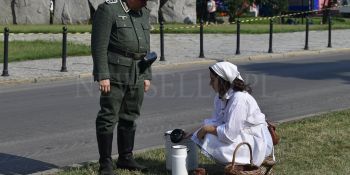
(178, 160)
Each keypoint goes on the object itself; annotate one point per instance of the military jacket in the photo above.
(114, 26)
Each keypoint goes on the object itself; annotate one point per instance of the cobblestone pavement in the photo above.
(179, 49)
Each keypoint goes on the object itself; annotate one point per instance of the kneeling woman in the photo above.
(236, 118)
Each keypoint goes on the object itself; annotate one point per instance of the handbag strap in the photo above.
(270, 125)
(250, 151)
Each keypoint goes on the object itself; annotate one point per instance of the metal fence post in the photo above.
(238, 37)
(64, 50)
(5, 71)
(271, 33)
(307, 34)
(201, 44)
(329, 30)
(161, 27)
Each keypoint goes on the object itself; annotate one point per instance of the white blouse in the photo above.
(238, 119)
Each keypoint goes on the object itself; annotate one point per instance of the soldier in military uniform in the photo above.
(120, 39)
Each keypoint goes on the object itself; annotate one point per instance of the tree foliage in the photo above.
(237, 7)
(275, 7)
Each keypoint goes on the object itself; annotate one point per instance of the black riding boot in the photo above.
(105, 149)
(126, 160)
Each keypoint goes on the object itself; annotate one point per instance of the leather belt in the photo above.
(133, 55)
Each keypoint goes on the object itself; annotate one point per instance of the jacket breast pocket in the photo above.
(119, 68)
(125, 31)
(146, 30)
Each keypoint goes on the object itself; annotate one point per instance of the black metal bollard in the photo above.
(329, 30)
(161, 27)
(5, 71)
(271, 33)
(64, 50)
(238, 37)
(201, 44)
(307, 34)
(201, 37)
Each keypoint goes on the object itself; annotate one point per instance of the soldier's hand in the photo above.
(147, 85)
(105, 86)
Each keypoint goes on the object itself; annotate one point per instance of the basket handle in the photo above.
(250, 151)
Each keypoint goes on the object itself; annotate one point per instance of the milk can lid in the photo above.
(177, 135)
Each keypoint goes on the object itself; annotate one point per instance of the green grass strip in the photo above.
(34, 50)
(45, 28)
(317, 145)
(247, 28)
(254, 27)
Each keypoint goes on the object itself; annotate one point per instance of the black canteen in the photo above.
(150, 58)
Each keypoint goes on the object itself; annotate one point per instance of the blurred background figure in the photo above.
(51, 11)
(211, 7)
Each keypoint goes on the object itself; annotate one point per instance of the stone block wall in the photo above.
(71, 12)
(180, 11)
(81, 11)
(6, 12)
(31, 11)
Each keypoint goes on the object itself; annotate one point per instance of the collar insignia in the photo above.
(125, 6)
(123, 17)
(111, 1)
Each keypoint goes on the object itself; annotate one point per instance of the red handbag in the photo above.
(272, 129)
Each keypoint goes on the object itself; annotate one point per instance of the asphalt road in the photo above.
(49, 125)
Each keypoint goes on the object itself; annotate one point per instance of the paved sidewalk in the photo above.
(179, 49)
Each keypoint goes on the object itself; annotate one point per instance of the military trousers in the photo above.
(122, 104)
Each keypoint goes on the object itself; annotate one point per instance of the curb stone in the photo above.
(309, 115)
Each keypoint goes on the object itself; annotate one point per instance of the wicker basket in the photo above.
(267, 165)
(239, 169)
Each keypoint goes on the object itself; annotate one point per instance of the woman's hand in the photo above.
(205, 130)
(188, 135)
(201, 133)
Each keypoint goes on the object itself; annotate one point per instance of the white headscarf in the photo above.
(227, 71)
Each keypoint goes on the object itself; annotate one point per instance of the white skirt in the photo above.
(258, 137)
